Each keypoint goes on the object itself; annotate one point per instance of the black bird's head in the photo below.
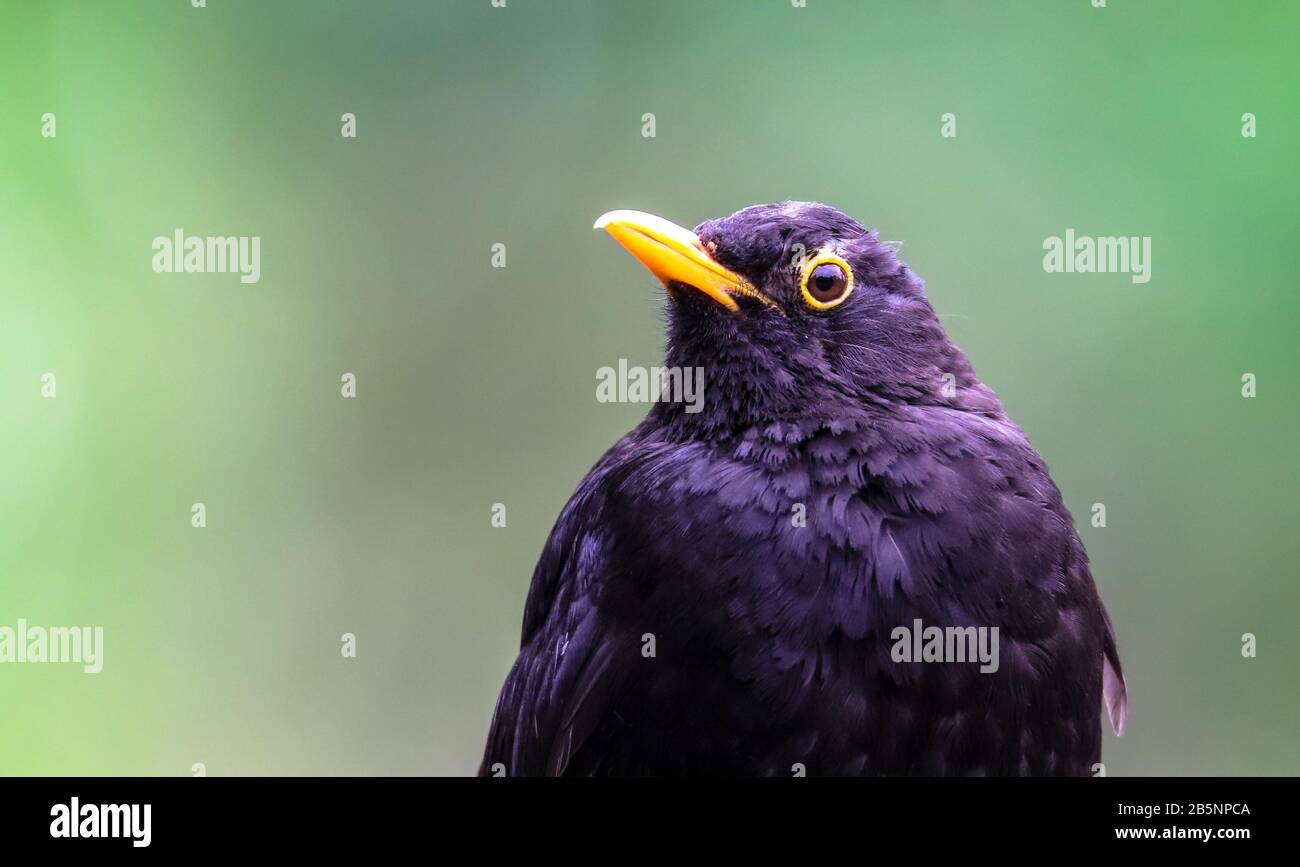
(794, 311)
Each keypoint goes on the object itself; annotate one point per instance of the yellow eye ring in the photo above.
(831, 288)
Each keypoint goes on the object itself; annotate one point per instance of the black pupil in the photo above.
(827, 282)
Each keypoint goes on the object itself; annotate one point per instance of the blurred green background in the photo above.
(476, 385)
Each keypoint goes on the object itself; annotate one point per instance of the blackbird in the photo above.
(733, 587)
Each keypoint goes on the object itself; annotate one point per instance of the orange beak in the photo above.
(675, 255)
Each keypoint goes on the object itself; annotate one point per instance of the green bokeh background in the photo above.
(476, 385)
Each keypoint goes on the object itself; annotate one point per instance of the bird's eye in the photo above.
(827, 281)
